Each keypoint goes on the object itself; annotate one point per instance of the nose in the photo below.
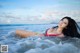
(61, 22)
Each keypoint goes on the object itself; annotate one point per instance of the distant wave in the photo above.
(19, 24)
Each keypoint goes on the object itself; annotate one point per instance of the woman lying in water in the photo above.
(66, 27)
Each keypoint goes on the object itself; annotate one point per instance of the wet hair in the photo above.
(71, 29)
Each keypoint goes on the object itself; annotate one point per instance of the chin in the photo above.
(60, 26)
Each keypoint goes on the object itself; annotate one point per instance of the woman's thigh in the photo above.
(24, 34)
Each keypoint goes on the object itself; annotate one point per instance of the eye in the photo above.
(61, 19)
(65, 23)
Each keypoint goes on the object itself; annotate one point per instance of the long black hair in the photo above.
(71, 29)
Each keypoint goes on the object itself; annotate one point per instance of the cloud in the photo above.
(36, 15)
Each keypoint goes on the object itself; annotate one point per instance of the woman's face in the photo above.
(63, 23)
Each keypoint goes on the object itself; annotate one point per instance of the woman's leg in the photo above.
(25, 34)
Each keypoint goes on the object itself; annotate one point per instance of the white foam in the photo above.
(65, 48)
(49, 41)
(36, 50)
(40, 45)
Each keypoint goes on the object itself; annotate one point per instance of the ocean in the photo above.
(36, 44)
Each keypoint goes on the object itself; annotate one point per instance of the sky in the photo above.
(38, 11)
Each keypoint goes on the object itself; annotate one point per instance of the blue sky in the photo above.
(37, 11)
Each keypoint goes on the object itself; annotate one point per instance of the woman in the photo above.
(66, 27)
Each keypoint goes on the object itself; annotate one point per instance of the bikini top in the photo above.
(46, 34)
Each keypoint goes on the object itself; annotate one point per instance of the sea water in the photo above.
(36, 44)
